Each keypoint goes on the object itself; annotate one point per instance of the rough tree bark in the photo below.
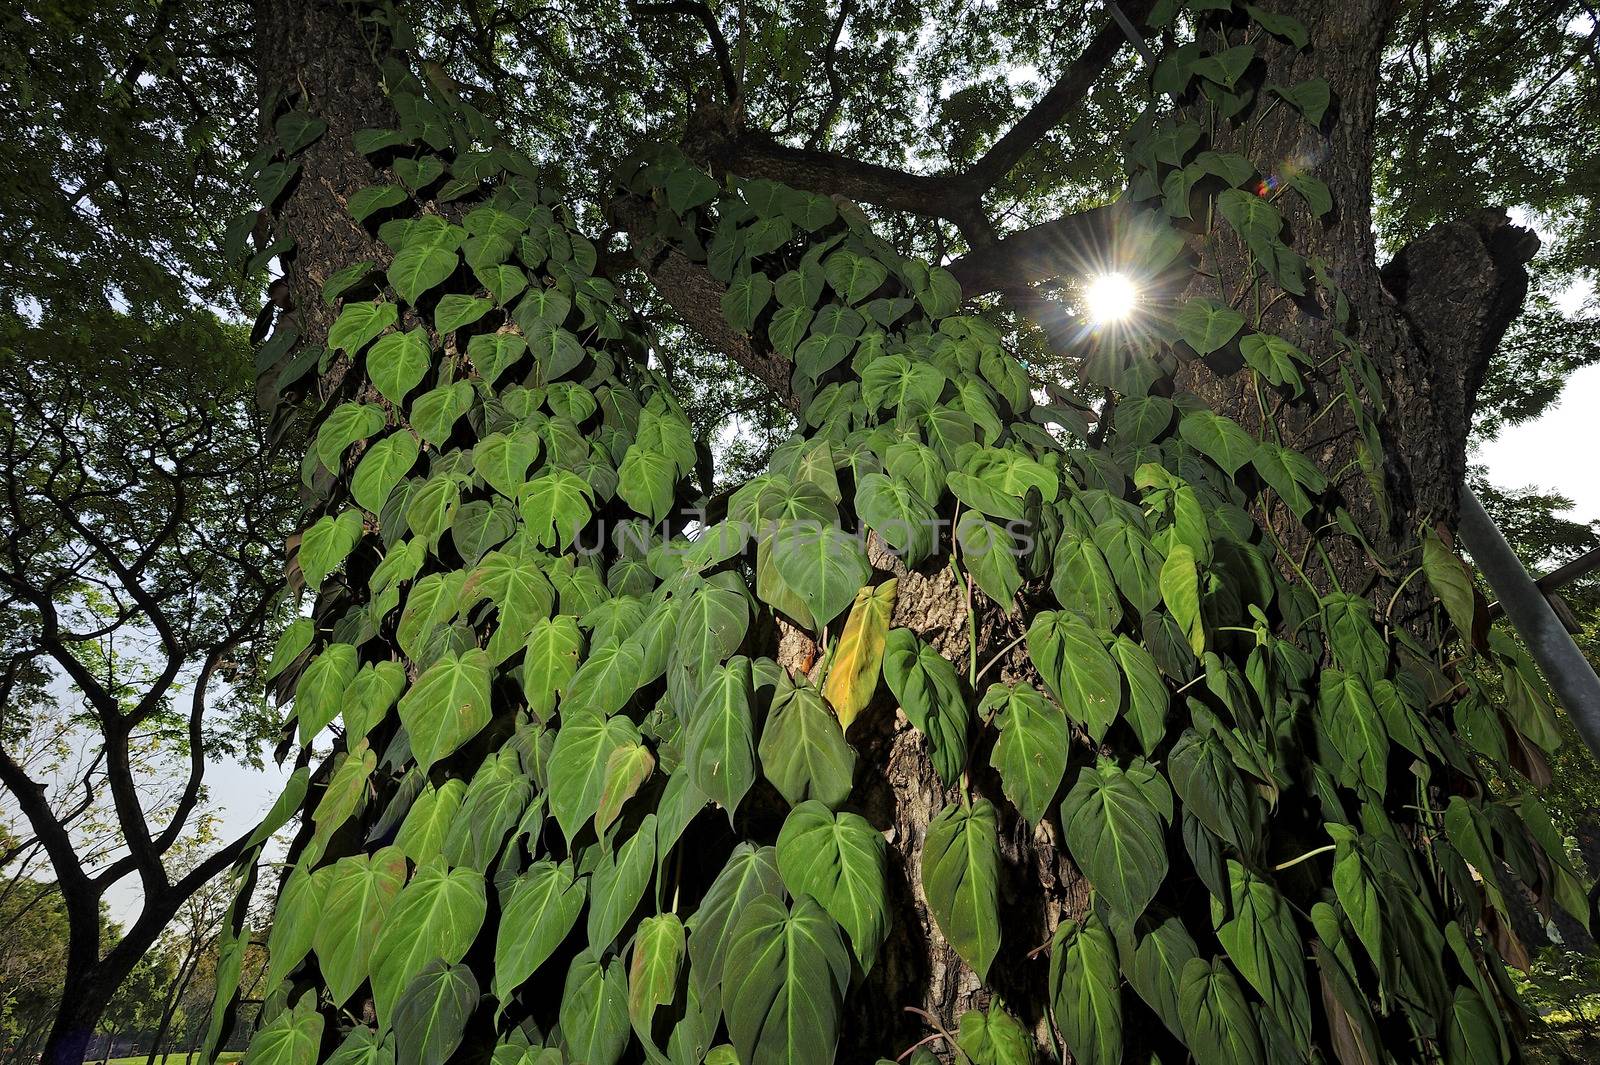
(314, 54)
(1431, 337)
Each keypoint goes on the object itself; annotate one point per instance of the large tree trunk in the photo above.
(1429, 321)
(1429, 333)
(84, 998)
(314, 55)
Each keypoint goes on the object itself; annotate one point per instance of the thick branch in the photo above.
(1069, 244)
(835, 83)
(697, 298)
(757, 155)
(1460, 285)
(1068, 91)
(957, 197)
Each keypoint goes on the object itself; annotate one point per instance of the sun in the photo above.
(1109, 298)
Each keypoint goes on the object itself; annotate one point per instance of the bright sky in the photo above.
(1558, 451)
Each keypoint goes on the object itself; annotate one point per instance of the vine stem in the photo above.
(998, 656)
(939, 1032)
(1307, 855)
(1388, 611)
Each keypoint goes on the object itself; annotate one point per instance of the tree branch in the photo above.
(835, 85)
(1068, 91)
(697, 298)
(1071, 243)
(701, 12)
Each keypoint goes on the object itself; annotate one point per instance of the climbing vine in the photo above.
(594, 790)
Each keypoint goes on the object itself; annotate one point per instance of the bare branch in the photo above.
(1049, 249)
(1068, 91)
(835, 83)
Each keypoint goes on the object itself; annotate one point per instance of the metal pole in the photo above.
(1568, 672)
(1581, 566)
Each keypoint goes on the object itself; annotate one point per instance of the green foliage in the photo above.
(1187, 653)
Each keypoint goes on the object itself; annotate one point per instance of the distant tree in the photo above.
(138, 502)
(33, 954)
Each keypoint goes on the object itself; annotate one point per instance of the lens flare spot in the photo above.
(1110, 298)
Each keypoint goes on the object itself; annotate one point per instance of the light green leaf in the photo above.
(431, 1014)
(994, 1038)
(1206, 326)
(1216, 1018)
(1451, 581)
(345, 424)
(422, 833)
(556, 507)
(538, 910)
(852, 276)
(658, 949)
(1180, 590)
(618, 883)
(578, 765)
(1218, 438)
(783, 982)
(647, 481)
(720, 750)
(927, 689)
(745, 299)
(1114, 825)
(433, 507)
(1031, 752)
(358, 323)
(825, 565)
(494, 803)
(990, 555)
(420, 265)
(293, 1037)
(434, 413)
(1076, 667)
(447, 706)
(594, 1011)
(1084, 992)
(1274, 358)
(435, 917)
(803, 749)
(455, 311)
(384, 466)
(550, 661)
(492, 353)
(357, 893)
(398, 362)
(325, 546)
(320, 691)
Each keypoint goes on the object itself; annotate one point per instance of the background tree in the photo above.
(139, 498)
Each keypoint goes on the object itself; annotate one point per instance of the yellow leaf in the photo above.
(853, 677)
